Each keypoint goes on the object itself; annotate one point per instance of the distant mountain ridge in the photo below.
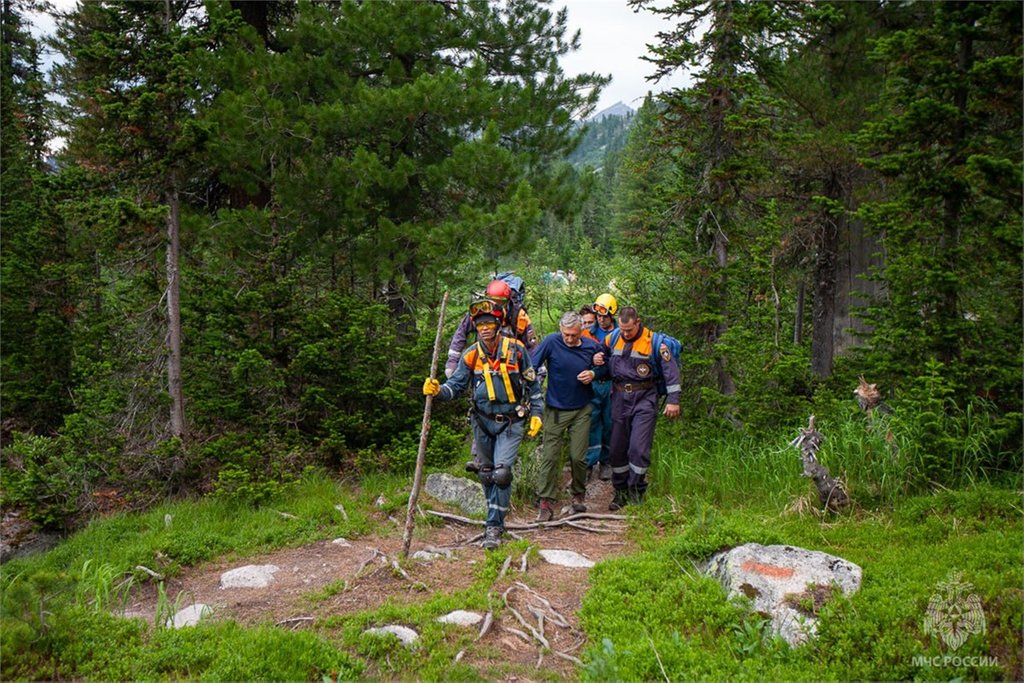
(618, 109)
(606, 135)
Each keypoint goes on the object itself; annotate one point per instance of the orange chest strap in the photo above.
(495, 366)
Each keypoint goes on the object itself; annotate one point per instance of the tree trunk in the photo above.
(823, 308)
(174, 310)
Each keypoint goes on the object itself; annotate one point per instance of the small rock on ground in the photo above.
(403, 633)
(566, 558)
(249, 576)
(461, 618)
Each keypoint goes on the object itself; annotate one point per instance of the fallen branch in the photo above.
(566, 657)
(294, 620)
(519, 617)
(559, 619)
(658, 657)
(147, 570)
(532, 525)
(488, 621)
(505, 566)
(518, 633)
(522, 562)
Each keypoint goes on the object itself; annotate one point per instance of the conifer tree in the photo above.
(949, 141)
(129, 81)
(36, 356)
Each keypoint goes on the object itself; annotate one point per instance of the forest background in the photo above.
(230, 277)
(232, 270)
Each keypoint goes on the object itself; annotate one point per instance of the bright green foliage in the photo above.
(655, 616)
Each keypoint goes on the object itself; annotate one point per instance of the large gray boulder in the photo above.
(467, 494)
(785, 583)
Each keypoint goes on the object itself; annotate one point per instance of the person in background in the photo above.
(603, 310)
(635, 404)
(569, 360)
(515, 324)
(504, 393)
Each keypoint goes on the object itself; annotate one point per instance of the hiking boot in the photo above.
(473, 466)
(577, 503)
(605, 472)
(547, 511)
(636, 496)
(492, 537)
(619, 501)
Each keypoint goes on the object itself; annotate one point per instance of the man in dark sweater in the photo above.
(571, 370)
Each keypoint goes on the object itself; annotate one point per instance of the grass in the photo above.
(650, 616)
(875, 634)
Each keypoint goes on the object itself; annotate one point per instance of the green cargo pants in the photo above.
(558, 424)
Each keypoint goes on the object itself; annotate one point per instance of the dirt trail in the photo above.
(304, 571)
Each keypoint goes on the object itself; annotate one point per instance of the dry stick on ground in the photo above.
(417, 480)
(532, 525)
(488, 621)
(519, 617)
(505, 566)
(559, 619)
(294, 621)
(658, 657)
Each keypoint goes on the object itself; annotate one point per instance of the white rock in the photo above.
(425, 555)
(777, 578)
(342, 542)
(191, 615)
(461, 618)
(566, 558)
(249, 576)
(403, 633)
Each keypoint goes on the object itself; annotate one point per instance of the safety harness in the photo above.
(499, 365)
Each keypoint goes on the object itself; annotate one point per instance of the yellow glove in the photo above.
(431, 387)
(535, 425)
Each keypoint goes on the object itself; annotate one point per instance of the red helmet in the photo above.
(499, 290)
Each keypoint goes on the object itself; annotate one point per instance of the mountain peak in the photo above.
(618, 109)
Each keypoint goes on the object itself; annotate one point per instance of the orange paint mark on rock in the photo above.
(768, 570)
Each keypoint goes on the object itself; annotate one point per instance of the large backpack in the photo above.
(675, 347)
(518, 287)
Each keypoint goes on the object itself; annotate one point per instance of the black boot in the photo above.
(619, 500)
(636, 496)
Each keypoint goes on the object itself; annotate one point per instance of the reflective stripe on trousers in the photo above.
(496, 451)
(634, 415)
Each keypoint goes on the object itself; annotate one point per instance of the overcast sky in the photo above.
(613, 39)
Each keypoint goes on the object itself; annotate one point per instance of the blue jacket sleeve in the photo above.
(670, 371)
(533, 387)
(458, 382)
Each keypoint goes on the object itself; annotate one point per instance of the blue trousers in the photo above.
(599, 444)
(634, 415)
(494, 452)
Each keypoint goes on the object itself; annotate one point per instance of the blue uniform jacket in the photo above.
(470, 374)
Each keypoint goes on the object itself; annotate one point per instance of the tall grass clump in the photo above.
(881, 456)
(725, 468)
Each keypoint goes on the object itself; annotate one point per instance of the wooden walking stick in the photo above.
(417, 480)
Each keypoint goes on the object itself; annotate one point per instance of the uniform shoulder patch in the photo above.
(666, 355)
